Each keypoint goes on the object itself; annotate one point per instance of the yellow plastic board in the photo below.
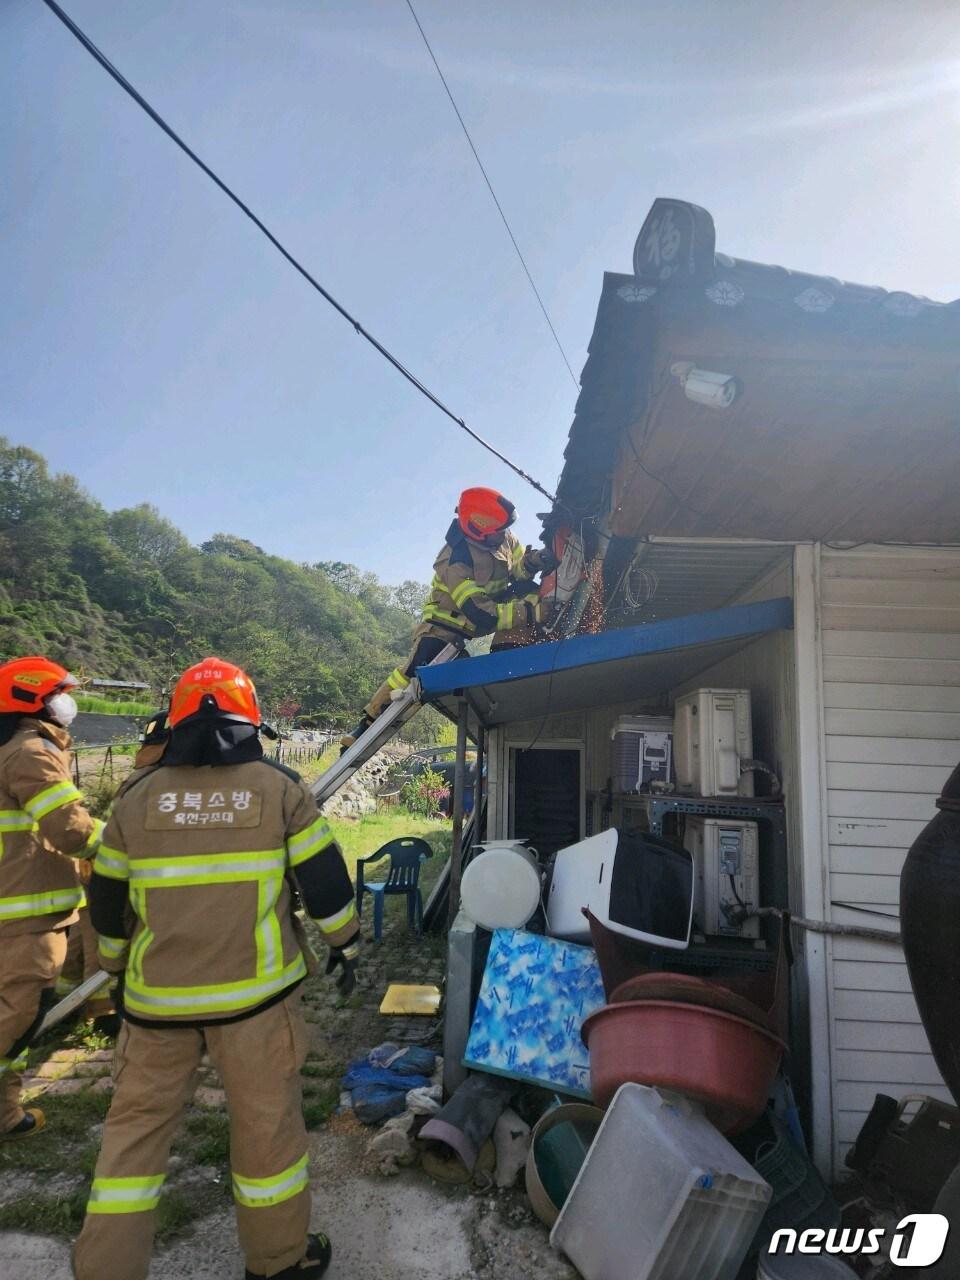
(401, 998)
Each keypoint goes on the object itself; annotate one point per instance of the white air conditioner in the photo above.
(726, 875)
(712, 734)
(634, 883)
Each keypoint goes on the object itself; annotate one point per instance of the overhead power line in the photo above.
(486, 178)
(411, 377)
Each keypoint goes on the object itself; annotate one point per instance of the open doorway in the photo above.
(546, 796)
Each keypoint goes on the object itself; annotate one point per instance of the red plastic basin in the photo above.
(721, 1061)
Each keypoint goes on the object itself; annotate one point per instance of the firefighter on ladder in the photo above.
(483, 583)
(205, 852)
(44, 830)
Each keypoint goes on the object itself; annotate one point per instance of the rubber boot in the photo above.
(350, 738)
(310, 1267)
(107, 1024)
(33, 1121)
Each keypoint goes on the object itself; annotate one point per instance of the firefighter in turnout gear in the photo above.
(153, 740)
(203, 854)
(44, 830)
(483, 583)
(82, 960)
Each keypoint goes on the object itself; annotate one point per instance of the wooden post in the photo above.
(459, 776)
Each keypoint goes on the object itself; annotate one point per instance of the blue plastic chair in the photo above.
(406, 857)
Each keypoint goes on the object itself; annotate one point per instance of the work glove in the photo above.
(542, 559)
(516, 589)
(346, 958)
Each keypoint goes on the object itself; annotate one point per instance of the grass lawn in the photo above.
(360, 837)
(92, 702)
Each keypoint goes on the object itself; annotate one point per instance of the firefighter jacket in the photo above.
(203, 861)
(44, 829)
(475, 589)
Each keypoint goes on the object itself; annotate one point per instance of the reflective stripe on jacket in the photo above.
(44, 828)
(206, 858)
(468, 581)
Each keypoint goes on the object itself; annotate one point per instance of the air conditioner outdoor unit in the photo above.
(712, 734)
(726, 875)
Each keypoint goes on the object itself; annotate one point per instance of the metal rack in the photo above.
(774, 878)
(753, 810)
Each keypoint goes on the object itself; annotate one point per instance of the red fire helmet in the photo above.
(26, 682)
(217, 687)
(485, 514)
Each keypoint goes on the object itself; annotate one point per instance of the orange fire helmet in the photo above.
(485, 514)
(25, 683)
(214, 687)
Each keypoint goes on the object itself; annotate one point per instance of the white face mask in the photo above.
(63, 708)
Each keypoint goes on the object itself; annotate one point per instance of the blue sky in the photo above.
(153, 344)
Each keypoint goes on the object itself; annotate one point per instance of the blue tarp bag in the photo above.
(361, 1073)
(374, 1103)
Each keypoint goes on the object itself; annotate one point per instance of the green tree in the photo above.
(124, 595)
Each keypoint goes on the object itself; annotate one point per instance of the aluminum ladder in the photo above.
(399, 711)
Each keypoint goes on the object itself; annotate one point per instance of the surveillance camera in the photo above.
(715, 390)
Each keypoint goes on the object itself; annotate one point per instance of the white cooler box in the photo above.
(642, 752)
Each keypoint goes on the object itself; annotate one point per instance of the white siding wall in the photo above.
(890, 620)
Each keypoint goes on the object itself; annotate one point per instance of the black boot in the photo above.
(310, 1267)
(107, 1024)
(33, 1121)
(359, 728)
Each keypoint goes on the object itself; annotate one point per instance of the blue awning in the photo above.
(629, 664)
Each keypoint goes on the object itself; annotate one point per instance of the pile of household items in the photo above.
(681, 1153)
(630, 1018)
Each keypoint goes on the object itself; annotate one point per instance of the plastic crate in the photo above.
(801, 1198)
(661, 1195)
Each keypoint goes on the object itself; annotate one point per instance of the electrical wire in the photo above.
(401, 368)
(637, 596)
(486, 178)
(927, 546)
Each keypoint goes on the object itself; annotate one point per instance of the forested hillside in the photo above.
(124, 595)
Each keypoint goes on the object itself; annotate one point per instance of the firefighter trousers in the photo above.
(29, 965)
(155, 1075)
(426, 645)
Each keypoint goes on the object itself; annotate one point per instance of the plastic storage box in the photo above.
(642, 752)
(661, 1196)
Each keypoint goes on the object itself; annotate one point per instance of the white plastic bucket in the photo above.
(798, 1266)
(500, 888)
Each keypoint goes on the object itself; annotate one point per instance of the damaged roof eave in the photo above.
(630, 664)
